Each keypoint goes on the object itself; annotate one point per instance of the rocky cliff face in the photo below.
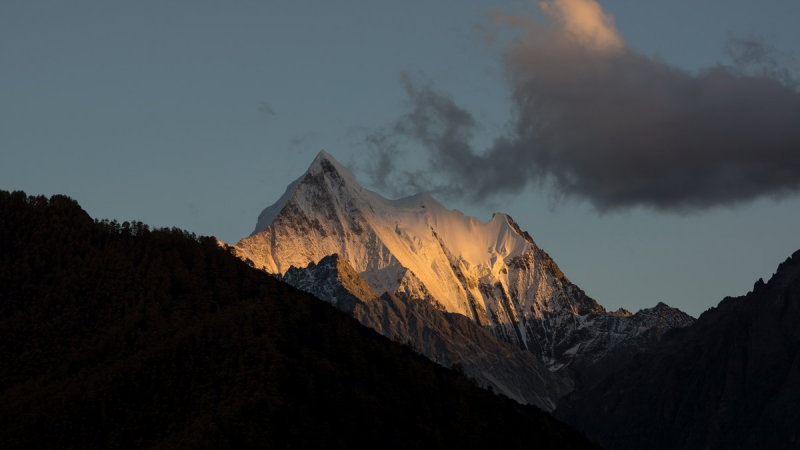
(731, 380)
(616, 338)
(451, 340)
(415, 249)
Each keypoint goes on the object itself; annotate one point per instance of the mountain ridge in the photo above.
(118, 336)
(449, 339)
(728, 381)
(491, 272)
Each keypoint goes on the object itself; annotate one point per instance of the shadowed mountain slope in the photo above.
(447, 338)
(115, 336)
(730, 381)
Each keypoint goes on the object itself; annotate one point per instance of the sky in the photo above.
(197, 114)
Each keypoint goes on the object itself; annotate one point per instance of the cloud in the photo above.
(586, 23)
(596, 120)
(266, 109)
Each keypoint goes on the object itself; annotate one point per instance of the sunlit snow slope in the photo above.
(491, 272)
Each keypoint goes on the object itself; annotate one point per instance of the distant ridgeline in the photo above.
(118, 336)
(730, 381)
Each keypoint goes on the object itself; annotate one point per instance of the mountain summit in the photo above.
(415, 248)
(324, 167)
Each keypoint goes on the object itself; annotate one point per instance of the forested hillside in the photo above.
(115, 335)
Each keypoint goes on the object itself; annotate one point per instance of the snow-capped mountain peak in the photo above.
(325, 172)
(415, 248)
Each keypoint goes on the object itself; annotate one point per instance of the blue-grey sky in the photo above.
(197, 114)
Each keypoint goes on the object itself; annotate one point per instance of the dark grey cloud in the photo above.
(598, 121)
(443, 129)
(756, 56)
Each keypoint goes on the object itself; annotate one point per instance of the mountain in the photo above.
(449, 339)
(414, 248)
(616, 338)
(117, 336)
(729, 381)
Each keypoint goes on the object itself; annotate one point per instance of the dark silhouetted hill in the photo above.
(730, 381)
(117, 336)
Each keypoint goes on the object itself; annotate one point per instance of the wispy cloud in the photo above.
(266, 109)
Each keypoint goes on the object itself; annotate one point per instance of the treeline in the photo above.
(115, 335)
(20, 203)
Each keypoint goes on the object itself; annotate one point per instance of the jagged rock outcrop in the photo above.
(613, 339)
(450, 339)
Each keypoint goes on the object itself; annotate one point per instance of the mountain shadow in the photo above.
(117, 336)
(730, 381)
